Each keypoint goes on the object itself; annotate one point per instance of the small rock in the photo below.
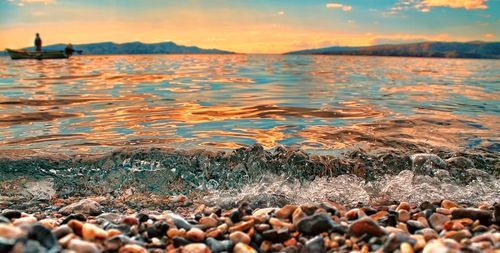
(8, 231)
(428, 234)
(403, 215)
(208, 221)
(78, 217)
(11, 214)
(28, 220)
(92, 232)
(179, 221)
(196, 248)
(315, 245)
(243, 248)
(219, 246)
(43, 236)
(6, 244)
(414, 225)
(84, 206)
(131, 248)
(116, 242)
(83, 246)
(242, 226)
(403, 206)
(437, 221)
(195, 235)
(286, 212)
(318, 223)
(366, 226)
(484, 216)
(406, 248)
(239, 236)
(448, 204)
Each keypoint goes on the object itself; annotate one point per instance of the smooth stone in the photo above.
(406, 248)
(243, 248)
(366, 226)
(443, 211)
(48, 223)
(239, 236)
(92, 232)
(32, 246)
(195, 235)
(219, 246)
(448, 204)
(403, 215)
(437, 221)
(297, 215)
(11, 213)
(484, 216)
(83, 246)
(43, 236)
(116, 242)
(84, 206)
(179, 221)
(132, 248)
(318, 223)
(180, 241)
(290, 249)
(315, 245)
(8, 231)
(142, 217)
(236, 216)
(403, 206)
(286, 212)
(28, 220)
(414, 225)
(196, 248)
(458, 235)
(110, 217)
(4, 219)
(497, 213)
(208, 221)
(242, 226)
(129, 220)
(428, 234)
(330, 208)
(6, 244)
(283, 235)
(264, 211)
(78, 217)
(394, 241)
(270, 235)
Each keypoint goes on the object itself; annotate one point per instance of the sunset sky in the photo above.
(252, 26)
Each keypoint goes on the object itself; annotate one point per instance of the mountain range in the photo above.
(135, 48)
(474, 49)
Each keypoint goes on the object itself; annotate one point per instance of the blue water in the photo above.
(326, 104)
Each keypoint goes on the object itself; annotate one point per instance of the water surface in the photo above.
(323, 104)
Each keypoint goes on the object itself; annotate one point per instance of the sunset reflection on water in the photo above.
(319, 103)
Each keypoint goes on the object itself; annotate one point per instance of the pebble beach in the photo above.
(88, 225)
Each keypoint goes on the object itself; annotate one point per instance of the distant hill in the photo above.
(136, 48)
(474, 49)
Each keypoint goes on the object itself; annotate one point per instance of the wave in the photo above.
(270, 176)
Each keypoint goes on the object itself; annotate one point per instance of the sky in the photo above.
(251, 26)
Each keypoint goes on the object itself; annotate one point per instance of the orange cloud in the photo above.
(427, 5)
(489, 35)
(339, 6)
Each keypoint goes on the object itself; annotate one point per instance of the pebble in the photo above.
(92, 232)
(83, 246)
(316, 245)
(8, 231)
(11, 213)
(403, 206)
(84, 206)
(208, 221)
(28, 220)
(484, 216)
(131, 248)
(286, 212)
(448, 204)
(239, 236)
(195, 235)
(316, 224)
(44, 237)
(403, 215)
(219, 246)
(196, 248)
(366, 226)
(243, 248)
(437, 221)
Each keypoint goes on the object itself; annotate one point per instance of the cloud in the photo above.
(22, 3)
(339, 6)
(489, 36)
(428, 5)
(281, 13)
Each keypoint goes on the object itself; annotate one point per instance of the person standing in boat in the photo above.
(69, 50)
(38, 43)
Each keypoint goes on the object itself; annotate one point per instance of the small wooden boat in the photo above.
(23, 54)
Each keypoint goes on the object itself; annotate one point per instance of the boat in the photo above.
(24, 54)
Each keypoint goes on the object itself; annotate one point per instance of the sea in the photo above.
(267, 128)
